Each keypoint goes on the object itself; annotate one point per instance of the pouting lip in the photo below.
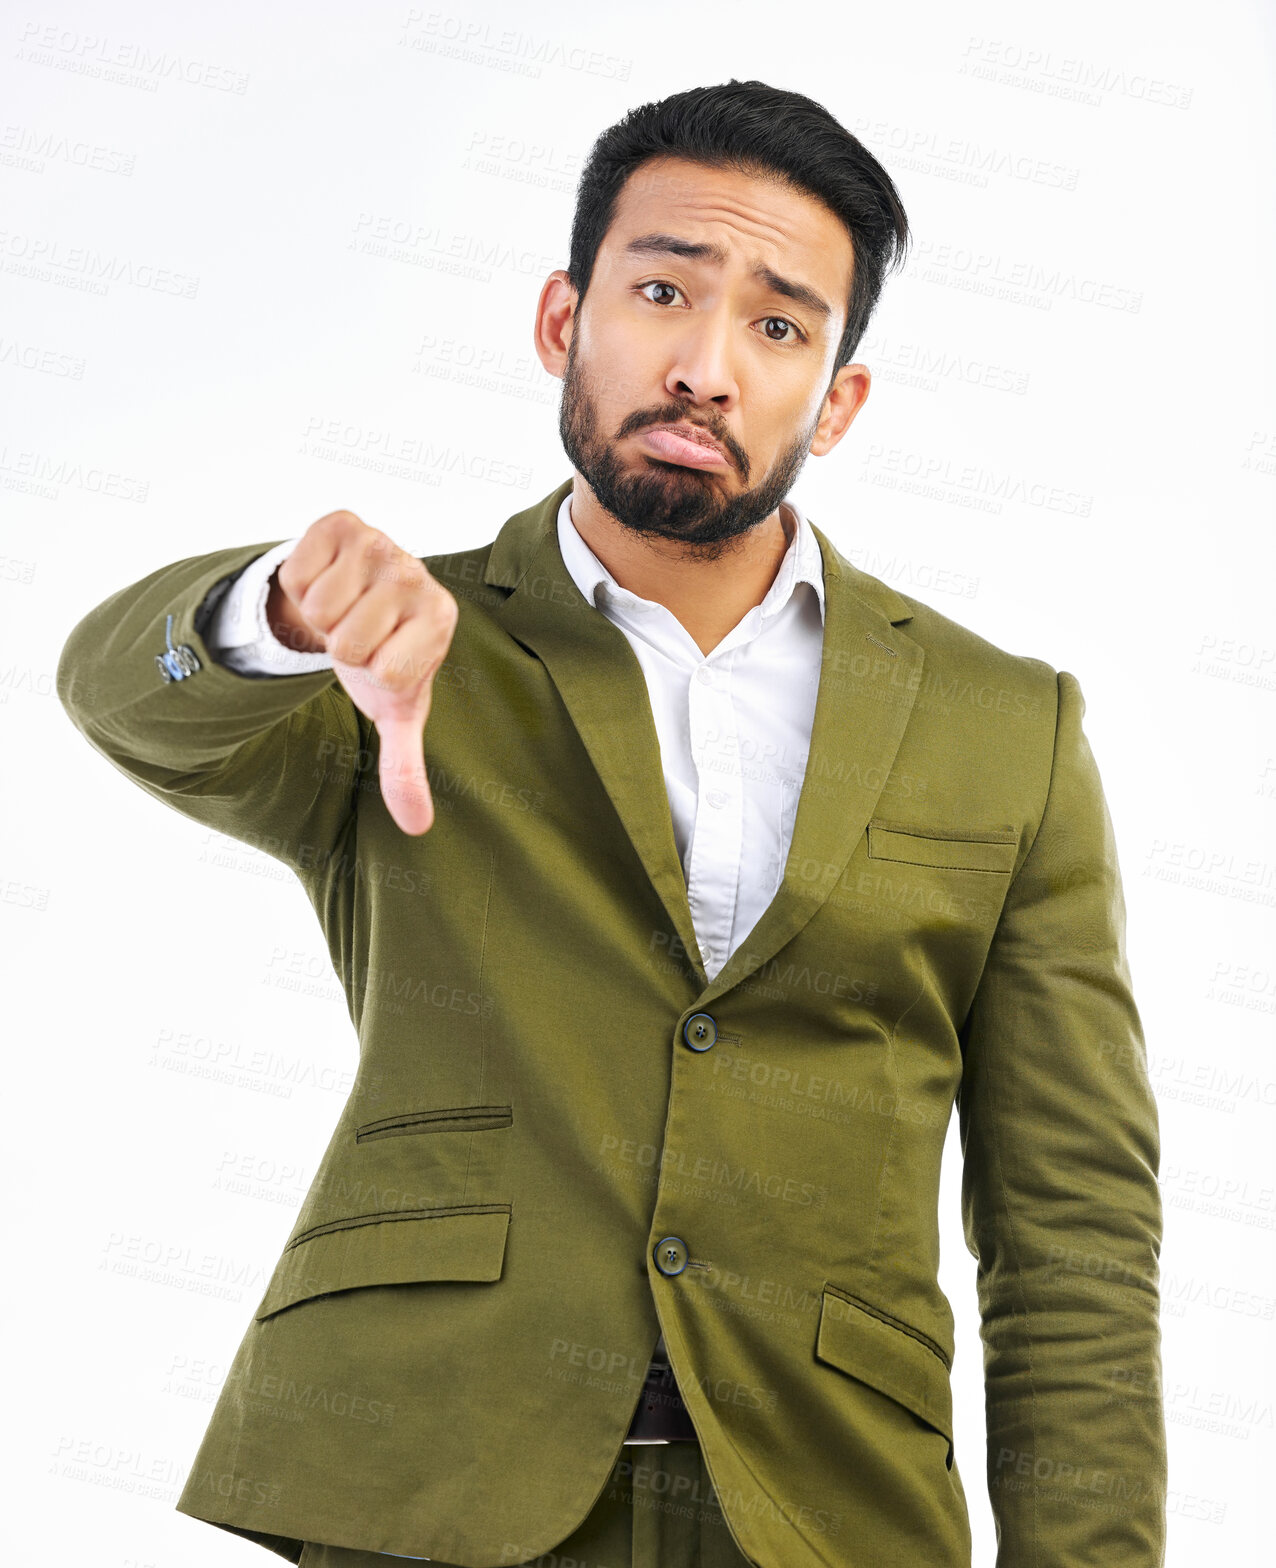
(691, 432)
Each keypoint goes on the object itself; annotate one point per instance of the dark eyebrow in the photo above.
(671, 245)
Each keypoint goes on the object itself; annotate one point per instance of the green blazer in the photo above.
(561, 1139)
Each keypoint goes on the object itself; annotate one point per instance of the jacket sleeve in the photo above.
(272, 761)
(1060, 1202)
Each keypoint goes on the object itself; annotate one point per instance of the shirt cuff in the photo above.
(238, 634)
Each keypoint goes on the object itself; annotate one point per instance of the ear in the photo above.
(842, 402)
(555, 314)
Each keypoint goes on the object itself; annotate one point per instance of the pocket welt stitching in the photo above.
(891, 1321)
(457, 1118)
(954, 835)
(388, 1216)
(919, 846)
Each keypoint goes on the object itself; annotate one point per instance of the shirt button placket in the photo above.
(716, 846)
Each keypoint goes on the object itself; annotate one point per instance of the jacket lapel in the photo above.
(870, 672)
(598, 676)
(869, 675)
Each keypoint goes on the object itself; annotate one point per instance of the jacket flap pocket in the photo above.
(394, 1248)
(992, 850)
(889, 1359)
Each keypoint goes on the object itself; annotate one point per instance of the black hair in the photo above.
(758, 130)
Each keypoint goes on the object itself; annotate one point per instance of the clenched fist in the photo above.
(349, 590)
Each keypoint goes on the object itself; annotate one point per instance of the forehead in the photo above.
(754, 215)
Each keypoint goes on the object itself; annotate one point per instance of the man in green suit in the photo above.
(661, 1030)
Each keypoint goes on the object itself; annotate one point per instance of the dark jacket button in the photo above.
(700, 1031)
(671, 1254)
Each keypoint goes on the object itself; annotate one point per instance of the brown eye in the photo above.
(656, 283)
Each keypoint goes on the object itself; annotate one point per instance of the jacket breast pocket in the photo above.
(891, 1358)
(946, 849)
(399, 1247)
(453, 1153)
(456, 1118)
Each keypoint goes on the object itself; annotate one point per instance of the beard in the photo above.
(662, 500)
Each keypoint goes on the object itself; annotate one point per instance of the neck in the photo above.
(709, 597)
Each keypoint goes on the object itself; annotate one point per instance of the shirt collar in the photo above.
(802, 563)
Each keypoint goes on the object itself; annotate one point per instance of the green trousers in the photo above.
(658, 1509)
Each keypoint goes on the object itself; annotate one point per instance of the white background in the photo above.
(190, 304)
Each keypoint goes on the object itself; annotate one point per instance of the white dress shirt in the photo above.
(734, 724)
